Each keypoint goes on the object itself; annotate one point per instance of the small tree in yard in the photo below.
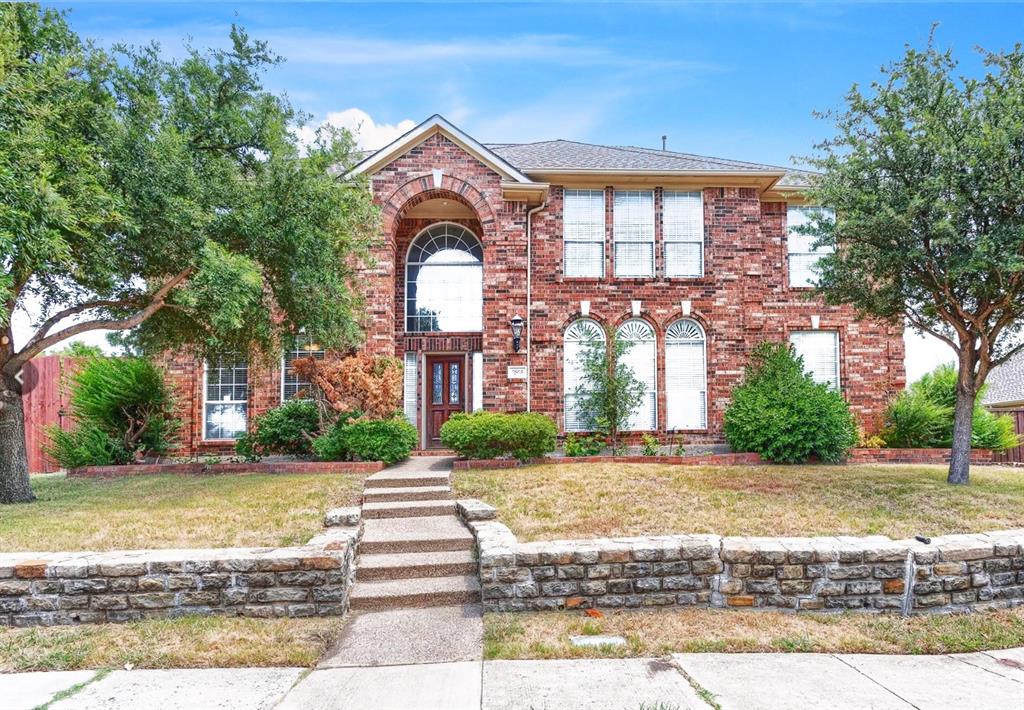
(609, 391)
(167, 200)
(926, 177)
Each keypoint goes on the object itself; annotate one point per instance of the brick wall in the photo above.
(742, 299)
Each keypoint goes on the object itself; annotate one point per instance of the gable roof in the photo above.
(432, 126)
(515, 162)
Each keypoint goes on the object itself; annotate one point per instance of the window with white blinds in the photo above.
(683, 231)
(641, 358)
(803, 259)
(634, 232)
(583, 232)
(409, 378)
(577, 338)
(686, 386)
(291, 383)
(820, 352)
(225, 398)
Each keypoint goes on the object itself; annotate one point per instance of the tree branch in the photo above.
(12, 366)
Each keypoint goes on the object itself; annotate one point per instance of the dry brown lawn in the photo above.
(173, 511)
(561, 501)
(190, 642)
(654, 633)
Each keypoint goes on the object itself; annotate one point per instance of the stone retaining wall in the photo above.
(956, 572)
(92, 587)
(198, 469)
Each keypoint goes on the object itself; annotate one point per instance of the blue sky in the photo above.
(733, 80)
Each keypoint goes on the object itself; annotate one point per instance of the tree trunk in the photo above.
(963, 426)
(14, 482)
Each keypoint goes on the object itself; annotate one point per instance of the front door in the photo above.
(445, 393)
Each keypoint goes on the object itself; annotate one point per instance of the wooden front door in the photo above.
(445, 393)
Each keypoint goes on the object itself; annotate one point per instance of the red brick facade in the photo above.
(743, 298)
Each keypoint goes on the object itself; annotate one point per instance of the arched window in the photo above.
(686, 380)
(641, 358)
(577, 337)
(444, 280)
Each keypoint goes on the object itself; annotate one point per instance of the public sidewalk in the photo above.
(992, 679)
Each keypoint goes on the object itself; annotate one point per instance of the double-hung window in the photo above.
(292, 383)
(802, 257)
(634, 232)
(683, 231)
(579, 336)
(820, 352)
(642, 359)
(583, 233)
(225, 398)
(686, 384)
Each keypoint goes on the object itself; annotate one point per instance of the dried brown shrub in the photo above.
(367, 383)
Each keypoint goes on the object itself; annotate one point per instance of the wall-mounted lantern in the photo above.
(687, 306)
(517, 332)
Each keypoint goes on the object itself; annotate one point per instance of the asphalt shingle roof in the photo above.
(573, 155)
(1006, 382)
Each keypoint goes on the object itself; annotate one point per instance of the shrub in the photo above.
(922, 416)
(578, 445)
(284, 430)
(329, 446)
(122, 410)
(651, 445)
(358, 382)
(780, 413)
(486, 435)
(387, 440)
(85, 445)
(609, 390)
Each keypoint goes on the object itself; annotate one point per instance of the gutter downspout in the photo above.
(529, 296)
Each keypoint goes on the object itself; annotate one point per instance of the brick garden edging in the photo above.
(875, 574)
(202, 469)
(45, 589)
(857, 456)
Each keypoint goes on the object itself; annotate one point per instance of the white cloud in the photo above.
(369, 134)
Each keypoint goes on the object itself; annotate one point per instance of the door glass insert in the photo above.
(453, 383)
(438, 384)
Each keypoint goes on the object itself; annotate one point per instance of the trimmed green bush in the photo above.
(284, 430)
(122, 411)
(387, 440)
(488, 435)
(780, 413)
(922, 416)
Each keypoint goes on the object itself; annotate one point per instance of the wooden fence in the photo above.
(1015, 455)
(45, 402)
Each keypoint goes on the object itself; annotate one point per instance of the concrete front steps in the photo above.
(415, 552)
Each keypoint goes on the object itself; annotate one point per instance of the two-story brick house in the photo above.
(689, 257)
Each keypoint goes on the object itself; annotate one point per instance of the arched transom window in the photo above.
(444, 280)
(641, 358)
(685, 376)
(578, 336)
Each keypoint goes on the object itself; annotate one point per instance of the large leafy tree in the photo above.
(168, 201)
(926, 176)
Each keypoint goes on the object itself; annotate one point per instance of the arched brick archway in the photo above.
(420, 189)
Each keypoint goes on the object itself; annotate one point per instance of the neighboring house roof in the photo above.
(515, 161)
(1006, 383)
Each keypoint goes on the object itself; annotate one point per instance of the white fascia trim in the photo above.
(420, 133)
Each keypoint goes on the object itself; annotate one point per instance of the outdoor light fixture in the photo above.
(687, 307)
(815, 322)
(584, 308)
(517, 332)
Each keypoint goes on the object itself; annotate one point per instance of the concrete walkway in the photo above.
(994, 679)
